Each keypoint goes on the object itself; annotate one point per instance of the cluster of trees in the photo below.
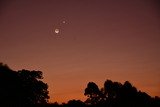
(21, 88)
(25, 88)
(115, 94)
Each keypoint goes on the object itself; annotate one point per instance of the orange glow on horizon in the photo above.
(96, 40)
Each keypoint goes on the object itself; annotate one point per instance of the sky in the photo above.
(96, 40)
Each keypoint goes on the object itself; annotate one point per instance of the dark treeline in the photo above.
(25, 88)
(21, 88)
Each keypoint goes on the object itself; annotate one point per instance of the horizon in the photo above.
(74, 42)
(83, 100)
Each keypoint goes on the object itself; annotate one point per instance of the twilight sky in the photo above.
(100, 39)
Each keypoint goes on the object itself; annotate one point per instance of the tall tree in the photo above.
(111, 89)
(93, 92)
(22, 88)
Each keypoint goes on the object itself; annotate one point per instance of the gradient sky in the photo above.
(101, 39)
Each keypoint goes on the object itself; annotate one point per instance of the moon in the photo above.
(56, 31)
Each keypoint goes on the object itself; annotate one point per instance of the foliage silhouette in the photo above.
(25, 88)
(21, 88)
(93, 92)
(115, 94)
(75, 103)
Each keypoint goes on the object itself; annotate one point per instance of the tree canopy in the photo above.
(115, 94)
(25, 88)
(22, 88)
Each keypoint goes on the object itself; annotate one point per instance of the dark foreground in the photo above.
(25, 88)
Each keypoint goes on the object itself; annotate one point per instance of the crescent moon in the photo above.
(56, 31)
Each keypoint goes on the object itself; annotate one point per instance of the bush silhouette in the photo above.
(75, 103)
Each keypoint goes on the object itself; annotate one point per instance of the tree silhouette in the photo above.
(22, 88)
(115, 94)
(8, 78)
(111, 89)
(25, 88)
(93, 92)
